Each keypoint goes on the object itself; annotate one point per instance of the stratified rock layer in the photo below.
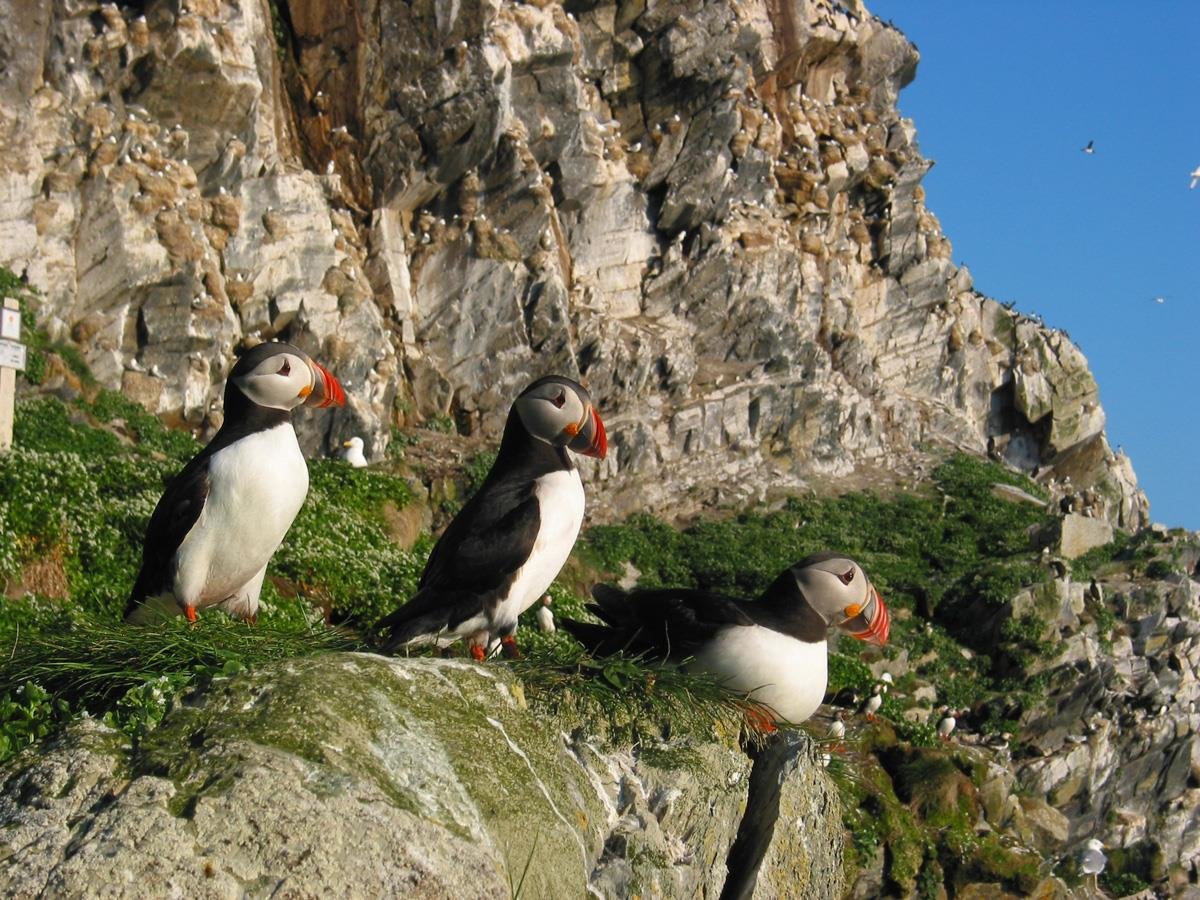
(373, 777)
(710, 210)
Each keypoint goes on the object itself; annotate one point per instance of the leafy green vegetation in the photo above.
(1122, 884)
(943, 556)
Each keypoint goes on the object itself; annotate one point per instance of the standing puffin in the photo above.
(772, 649)
(223, 517)
(504, 548)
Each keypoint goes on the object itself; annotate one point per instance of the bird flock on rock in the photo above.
(221, 519)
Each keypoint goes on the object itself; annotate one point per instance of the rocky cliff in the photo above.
(712, 211)
(367, 777)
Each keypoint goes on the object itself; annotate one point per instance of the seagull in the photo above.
(1160, 299)
(1090, 148)
(352, 452)
(1195, 177)
(1092, 861)
(545, 618)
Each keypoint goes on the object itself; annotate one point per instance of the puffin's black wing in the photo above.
(177, 511)
(473, 562)
(664, 623)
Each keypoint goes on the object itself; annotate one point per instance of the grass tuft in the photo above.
(131, 675)
(628, 699)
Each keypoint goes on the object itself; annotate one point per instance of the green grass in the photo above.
(627, 699)
(130, 676)
(957, 541)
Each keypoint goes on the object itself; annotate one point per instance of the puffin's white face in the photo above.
(559, 412)
(281, 381)
(840, 592)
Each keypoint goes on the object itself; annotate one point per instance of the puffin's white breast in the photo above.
(560, 506)
(784, 673)
(256, 486)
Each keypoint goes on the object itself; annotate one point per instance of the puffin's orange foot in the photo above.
(190, 612)
(508, 646)
(760, 721)
(477, 653)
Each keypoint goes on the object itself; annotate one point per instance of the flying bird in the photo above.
(1090, 148)
(352, 452)
(773, 649)
(222, 518)
(505, 547)
(1195, 176)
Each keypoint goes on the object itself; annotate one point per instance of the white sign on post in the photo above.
(12, 354)
(12, 357)
(10, 323)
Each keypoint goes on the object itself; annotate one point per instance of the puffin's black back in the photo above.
(475, 559)
(675, 623)
(666, 623)
(183, 500)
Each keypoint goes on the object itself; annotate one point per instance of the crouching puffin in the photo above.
(773, 649)
(504, 548)
(223, 517)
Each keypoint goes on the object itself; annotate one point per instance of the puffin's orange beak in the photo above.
(873, 623)
(324, 390)
(590, 438)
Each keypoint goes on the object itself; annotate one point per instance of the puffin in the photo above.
(873, 703)
(499, 555)
(222, 518)
(947, 724)
(773, 650)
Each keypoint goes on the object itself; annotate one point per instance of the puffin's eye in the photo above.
(286, 369)
(560, 399)
(847, 577)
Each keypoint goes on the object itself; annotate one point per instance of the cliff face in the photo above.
(712, 211)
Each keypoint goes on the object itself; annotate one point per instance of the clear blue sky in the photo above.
(1006, 95)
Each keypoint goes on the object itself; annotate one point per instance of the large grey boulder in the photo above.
(357, 775)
